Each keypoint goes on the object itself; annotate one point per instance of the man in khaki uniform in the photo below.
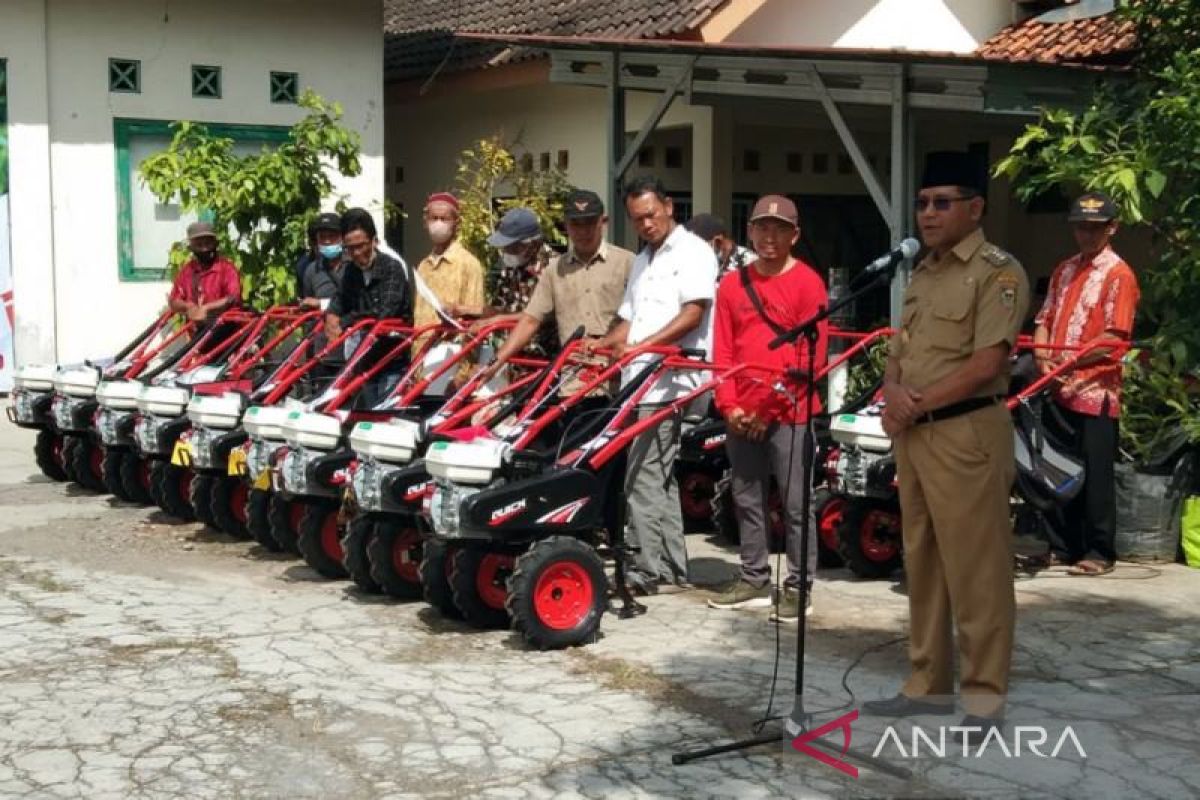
(945, 383)
(584, 286)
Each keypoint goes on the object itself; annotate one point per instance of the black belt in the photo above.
(958, 409)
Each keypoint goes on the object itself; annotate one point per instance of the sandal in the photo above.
(1043, 561)
(1091, 568)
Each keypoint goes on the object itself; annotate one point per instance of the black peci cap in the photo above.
(583, 204)
(1093, 207)
(952, 168)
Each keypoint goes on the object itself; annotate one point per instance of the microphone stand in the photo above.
(798, 721)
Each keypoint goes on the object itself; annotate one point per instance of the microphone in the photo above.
(905, 250)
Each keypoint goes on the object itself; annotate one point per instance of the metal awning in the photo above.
(898, 80)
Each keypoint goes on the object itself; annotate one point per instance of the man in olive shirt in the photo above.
(584, 286)
(944, 387)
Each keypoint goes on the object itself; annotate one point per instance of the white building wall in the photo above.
(426, 138)
(23, 46)
(958, 26)
(336, 51)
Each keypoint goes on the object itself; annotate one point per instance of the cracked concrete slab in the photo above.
(143, 658)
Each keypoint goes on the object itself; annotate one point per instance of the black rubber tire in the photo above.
(724, 514)
(200, 497)
(697, 489)
(172, 489)
(858, 560)
(285, 523)
(573, 597)
(258, 520)
(135, 477)
(67, 461)
(436, 560)
(227, 505)
(354, 553)
(111, 470)
(472, 569)
(395, 555)
(48, 453)
(724, 518)
(86, 462)
(320, 540)
(827, 510)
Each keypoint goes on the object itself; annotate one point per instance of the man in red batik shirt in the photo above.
(1093, 295)
(207, 284)
(765, 427)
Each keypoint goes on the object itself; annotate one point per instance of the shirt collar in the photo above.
(600, 255)
(969, 246)
(449, 254)
(1099, 258)
(671, 240)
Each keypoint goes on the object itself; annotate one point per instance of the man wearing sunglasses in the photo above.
(945, 383)
(375, 284)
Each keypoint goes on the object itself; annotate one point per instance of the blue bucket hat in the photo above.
(517, 225)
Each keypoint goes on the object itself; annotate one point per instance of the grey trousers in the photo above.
(754, 463)
(655, 523)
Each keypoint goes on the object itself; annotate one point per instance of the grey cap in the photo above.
(517, 225)
(201, 230)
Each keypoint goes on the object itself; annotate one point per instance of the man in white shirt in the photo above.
(668, 300)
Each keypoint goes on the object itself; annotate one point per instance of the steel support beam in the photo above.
(869, 179)
(656, 114)
(616, 145)
(903, 180)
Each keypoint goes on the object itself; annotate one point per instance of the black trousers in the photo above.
(1088, 527)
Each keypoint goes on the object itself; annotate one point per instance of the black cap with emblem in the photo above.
(952, 168)
(583, 204)
(1093, 207)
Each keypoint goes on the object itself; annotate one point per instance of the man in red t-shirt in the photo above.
(207, 284)
(765, 426)
(1093, 296)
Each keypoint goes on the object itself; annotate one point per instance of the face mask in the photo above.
(331, 251)
(206, 257)
(440, 231)
(513, 260)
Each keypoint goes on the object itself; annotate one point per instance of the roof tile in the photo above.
(1097, 40)
(419, 36)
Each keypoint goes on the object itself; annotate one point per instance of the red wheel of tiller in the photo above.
(295, 514)
(491, 579)
(237, 501)
(880, 534)
(331, 540)
(563, 595)
(828, 520)
(406, 546)
(696, 491)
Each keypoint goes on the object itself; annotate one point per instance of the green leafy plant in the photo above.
(262, 203)
(489, 180)
(1138, 139)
